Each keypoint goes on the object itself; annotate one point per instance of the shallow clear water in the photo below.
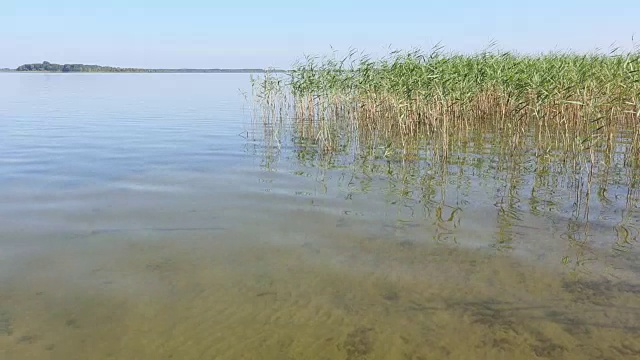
(144, 216)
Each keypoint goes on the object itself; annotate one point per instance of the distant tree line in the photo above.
(49, 67)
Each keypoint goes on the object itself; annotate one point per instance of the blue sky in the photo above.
(207, 33)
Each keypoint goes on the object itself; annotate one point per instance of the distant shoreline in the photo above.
(47, 67)
(150, 71)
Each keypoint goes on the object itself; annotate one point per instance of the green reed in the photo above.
(569, 99)
(520, 126)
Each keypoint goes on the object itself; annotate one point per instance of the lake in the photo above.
(153, 216)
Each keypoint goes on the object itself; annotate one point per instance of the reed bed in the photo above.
(566, 101)
(542, 134)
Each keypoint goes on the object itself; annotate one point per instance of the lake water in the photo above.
(146, 216)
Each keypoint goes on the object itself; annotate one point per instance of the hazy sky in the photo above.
(207, 33)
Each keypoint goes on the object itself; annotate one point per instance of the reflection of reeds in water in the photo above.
(527, 125)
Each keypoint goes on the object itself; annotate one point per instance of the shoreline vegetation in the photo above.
(408, 100)
(75, 68)
(426, 122)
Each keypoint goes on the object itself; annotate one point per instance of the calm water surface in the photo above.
(144, 216)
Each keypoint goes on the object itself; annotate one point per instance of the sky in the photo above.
(254, 33)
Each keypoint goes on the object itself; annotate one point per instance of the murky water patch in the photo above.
(378, 300)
